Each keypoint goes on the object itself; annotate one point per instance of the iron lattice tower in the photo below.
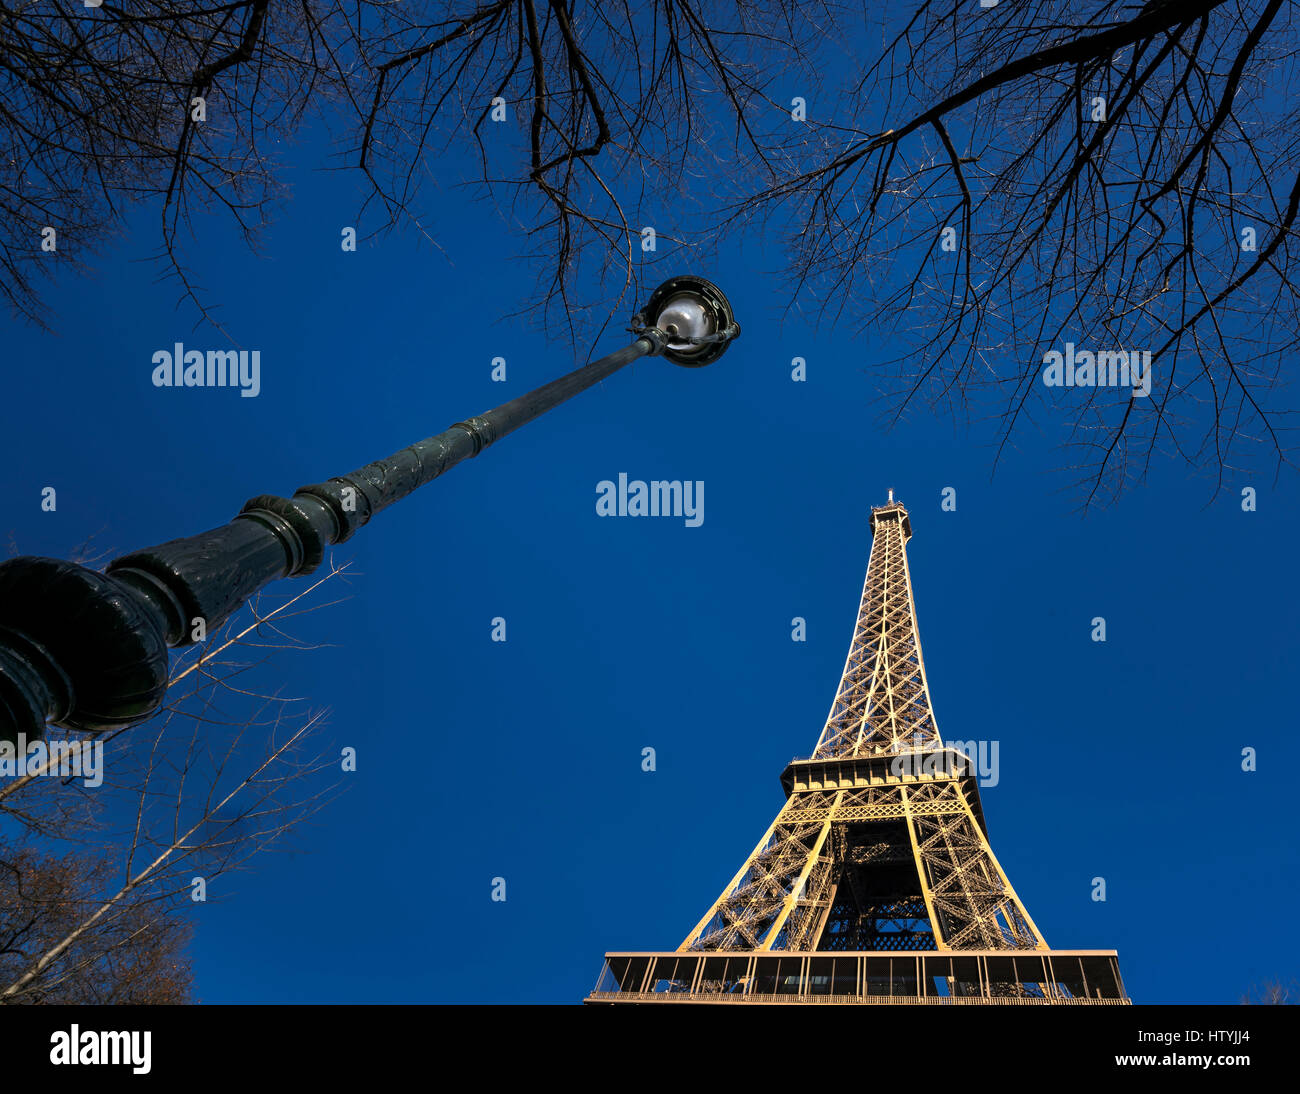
(880, 849)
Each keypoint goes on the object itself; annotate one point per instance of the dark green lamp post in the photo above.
(89, 650)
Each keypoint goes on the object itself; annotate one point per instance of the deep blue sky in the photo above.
(523, 759)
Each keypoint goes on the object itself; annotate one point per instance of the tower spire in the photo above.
(883, 701)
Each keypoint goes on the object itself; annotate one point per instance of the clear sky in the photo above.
(523, 760)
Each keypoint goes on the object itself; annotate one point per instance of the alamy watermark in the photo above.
(638, 498)
(953, 758)
(82, 759)
(1104, 368)
(122, 1048)
(179, 367)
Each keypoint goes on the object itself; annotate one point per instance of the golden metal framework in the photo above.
(955, 894)
(881, 846)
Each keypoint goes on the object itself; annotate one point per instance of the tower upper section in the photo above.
(883, 702)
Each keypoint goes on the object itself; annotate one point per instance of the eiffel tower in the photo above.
(876, 882)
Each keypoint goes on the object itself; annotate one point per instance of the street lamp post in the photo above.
(88, 650)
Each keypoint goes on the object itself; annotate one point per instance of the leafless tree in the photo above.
(100, 107)
(618, 107)
(1099, 166)
(47, 904)
(1273, 993)
(96, 884)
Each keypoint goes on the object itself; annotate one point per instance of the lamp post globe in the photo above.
(695, 318)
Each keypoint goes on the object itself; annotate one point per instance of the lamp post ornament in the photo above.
(88, 650)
